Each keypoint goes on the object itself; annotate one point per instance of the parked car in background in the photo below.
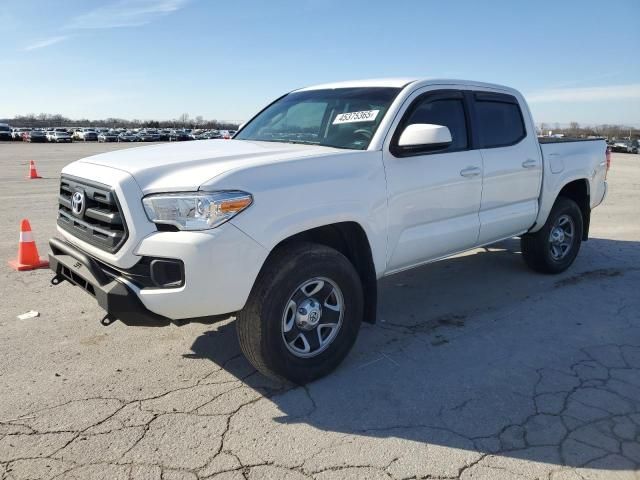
(148, 137)
(178, 136)
(127, 137)
(635, 146)
(34, 136)
(5, 132)
(59, 136)
(86, 134)
(201, 135)
(108, 137)
(621, 146)
(16, 133)
(90, 136)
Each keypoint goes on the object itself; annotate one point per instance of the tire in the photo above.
(542, 250)
(275, 303)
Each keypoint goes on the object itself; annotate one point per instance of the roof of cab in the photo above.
(401, 82)
(376, 82)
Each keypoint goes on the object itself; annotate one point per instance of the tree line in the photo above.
(574, 129)
(46, 120)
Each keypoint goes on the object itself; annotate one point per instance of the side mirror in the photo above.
(424, 136)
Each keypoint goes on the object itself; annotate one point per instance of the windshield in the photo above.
(341, 118)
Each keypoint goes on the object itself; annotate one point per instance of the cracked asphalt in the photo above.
(476, 369)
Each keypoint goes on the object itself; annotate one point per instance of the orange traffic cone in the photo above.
(33, 173)
(28, 258)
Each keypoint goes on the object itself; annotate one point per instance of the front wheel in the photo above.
(554, 247)
(303, 314)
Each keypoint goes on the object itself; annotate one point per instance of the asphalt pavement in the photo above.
(477, 369)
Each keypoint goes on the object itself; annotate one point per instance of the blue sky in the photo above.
(574, 60)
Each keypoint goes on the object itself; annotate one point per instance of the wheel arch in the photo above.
(350, 239)
(576, 188)
(579, 191)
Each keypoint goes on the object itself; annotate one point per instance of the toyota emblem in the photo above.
(77, 203)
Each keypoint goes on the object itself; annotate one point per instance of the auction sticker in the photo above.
(353, 117)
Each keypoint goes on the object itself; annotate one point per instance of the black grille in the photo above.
(100, 221)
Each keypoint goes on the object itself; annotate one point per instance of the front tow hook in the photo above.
(107, 320)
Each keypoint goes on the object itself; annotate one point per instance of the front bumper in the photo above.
(220, 267)
(73, 266)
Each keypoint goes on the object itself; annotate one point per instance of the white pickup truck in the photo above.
(289, 225)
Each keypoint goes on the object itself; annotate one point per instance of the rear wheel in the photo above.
(303, 314)
(555, 246)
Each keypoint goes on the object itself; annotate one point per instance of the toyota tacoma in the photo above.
(288, 225)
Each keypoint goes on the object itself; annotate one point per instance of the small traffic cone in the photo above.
(33, 173)
(28, 258)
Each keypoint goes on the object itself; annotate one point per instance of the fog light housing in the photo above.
(167, 273)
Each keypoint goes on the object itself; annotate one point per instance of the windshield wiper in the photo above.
(300, 142)
(306, 142)
(303, 142)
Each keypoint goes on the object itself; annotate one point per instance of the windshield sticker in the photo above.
(353, 117)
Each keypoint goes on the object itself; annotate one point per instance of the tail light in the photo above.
(608, 160)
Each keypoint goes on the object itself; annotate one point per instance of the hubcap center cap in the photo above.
(557, 236)
(308, 314)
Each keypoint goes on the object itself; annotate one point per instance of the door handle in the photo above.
(529, 163)
(470, 172)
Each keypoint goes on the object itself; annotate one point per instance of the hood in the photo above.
(184, 166)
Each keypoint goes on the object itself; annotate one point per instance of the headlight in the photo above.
(197, 210)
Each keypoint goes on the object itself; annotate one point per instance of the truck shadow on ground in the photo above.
(479, 355)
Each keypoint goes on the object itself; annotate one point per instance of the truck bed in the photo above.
(567, 140)
(568, 159)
